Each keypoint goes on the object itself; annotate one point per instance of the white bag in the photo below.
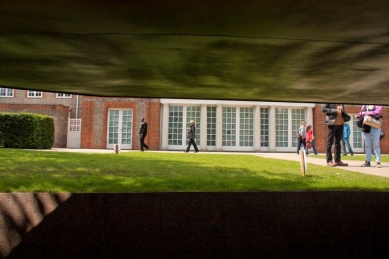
(371, 121)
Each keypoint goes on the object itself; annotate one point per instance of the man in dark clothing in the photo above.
(142, 134)
(335, 118)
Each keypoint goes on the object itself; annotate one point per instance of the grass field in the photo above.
(38, 171)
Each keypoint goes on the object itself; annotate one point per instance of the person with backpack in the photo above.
(302, 136)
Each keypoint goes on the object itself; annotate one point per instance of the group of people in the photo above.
(191, 136)
(336, 119)
(339, 132)
(307, 139)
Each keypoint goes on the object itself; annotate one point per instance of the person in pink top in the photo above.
(310, 140)
(370, 133)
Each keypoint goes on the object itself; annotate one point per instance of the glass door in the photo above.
(356, 138)
(120, 128)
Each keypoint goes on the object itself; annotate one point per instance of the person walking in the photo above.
(371, 133)
(301, 140)
(313, 144)
(192, 137)
(142, 134)
(346, 140)
(310, 140)
(335, 118)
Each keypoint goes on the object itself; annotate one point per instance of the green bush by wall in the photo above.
(26, 130)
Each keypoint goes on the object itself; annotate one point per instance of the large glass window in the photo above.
(126, 127)
(193, 113)
(229, 126)
(175, 125)
(211, 126)
(113, 127)
(264, 127)
(282, 127)
(357, 138)
(246, 127)
(6, 92)
(298, 115)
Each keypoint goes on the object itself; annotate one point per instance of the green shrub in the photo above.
(26, 130)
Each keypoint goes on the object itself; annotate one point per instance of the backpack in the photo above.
(298, 136)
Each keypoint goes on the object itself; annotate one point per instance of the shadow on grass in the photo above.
(206, 199)
(166, 172)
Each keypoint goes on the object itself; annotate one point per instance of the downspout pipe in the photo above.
(77, 107)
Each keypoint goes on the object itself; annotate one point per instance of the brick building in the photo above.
(221, 125)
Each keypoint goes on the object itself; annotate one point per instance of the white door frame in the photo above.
(74, 133)
(117, 128)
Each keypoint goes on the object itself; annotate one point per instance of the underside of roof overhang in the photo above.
(273, 50)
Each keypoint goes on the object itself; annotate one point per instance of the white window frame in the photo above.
(246, 127)
(282, 127)
(34, 94)
(356, 137)
(264, 118)
(64, 95)
(177, 116)
(230, 128)
(117, 128)
(193, 112)
(262, 124)
(211, 126)
(297, 116)
(6, 92)
(285, 131)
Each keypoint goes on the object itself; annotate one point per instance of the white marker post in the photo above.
(303, 162)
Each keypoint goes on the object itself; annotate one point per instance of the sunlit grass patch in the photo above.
(174, 172)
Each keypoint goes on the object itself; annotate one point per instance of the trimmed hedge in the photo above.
(26, 130)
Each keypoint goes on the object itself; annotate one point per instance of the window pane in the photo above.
(193, 113)
(6, 92)
(229, 127)
(175, 125)
(298, 116)
(211, 126)
(246, 122)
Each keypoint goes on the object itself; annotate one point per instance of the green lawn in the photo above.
(36, 171)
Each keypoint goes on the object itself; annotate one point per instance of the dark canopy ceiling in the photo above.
(274, 50)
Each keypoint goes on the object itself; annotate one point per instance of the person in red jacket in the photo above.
(310, 140)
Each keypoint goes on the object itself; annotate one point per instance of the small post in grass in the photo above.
(303, 162)
(117, 148)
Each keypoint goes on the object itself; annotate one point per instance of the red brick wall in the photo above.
(153, 121)
(320, 128)
(60, 113)
(87, 125)
(95, 116)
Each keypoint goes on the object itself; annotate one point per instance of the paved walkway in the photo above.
(354, 166)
